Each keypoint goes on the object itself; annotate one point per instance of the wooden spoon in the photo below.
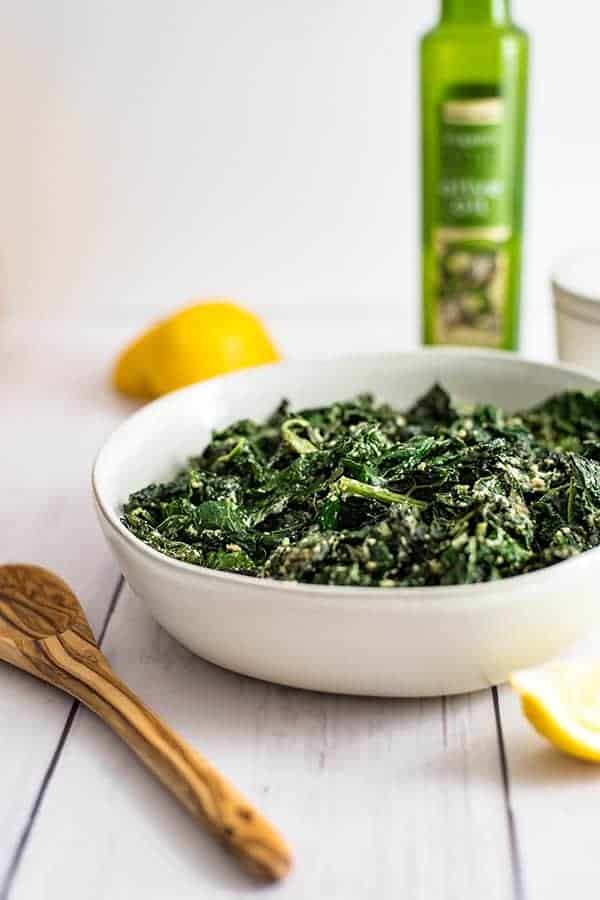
(44, 631)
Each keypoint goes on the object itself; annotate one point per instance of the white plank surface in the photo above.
(379, 798)
(50, 430)
(555, 800)
(375, 796)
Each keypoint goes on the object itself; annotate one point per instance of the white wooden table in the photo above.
(445, 799)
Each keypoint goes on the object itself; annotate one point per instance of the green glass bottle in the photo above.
(473, 108)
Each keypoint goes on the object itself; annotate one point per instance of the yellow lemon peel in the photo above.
(198, 342)
(562, 702)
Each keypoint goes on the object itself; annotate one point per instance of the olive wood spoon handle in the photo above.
(43, 630)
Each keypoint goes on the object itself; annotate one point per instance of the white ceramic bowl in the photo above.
(576, 289)
(396, 641)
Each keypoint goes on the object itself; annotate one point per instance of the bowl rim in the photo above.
(431, 592)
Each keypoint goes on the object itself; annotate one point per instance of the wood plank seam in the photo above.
(513, 838)
(11, 872)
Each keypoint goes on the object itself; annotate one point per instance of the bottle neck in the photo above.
(475, 12)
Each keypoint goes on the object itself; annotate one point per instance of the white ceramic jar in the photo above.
(576, 289)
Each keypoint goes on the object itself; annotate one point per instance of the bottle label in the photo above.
(470, 242)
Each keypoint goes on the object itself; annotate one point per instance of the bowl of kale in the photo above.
(395, 524)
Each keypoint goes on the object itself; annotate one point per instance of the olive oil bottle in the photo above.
(473, 107)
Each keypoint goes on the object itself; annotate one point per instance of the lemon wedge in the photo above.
(198, 342)
(562, 702)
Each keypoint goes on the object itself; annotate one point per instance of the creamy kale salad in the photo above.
(359, 493)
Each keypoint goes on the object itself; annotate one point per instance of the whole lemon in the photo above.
(206, 339)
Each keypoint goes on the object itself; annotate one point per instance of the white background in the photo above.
(154, 151)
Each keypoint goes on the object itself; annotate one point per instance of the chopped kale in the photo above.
(358, 493)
